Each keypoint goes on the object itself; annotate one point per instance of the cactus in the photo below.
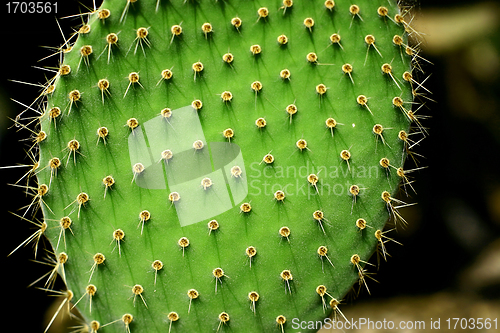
(222, 165)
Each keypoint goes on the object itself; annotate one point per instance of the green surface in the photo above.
(94, 222)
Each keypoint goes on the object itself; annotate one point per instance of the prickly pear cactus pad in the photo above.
(223, 165)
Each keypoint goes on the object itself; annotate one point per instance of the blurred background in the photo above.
(449, 264)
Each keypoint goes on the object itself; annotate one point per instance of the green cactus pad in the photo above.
(223, 165)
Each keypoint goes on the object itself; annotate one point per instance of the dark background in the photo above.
(451, 231)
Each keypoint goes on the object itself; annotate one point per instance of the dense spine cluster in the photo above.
(222, 165)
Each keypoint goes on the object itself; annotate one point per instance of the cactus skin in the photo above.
(128, 261)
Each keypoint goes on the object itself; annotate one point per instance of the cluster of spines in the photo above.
(74, 97)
